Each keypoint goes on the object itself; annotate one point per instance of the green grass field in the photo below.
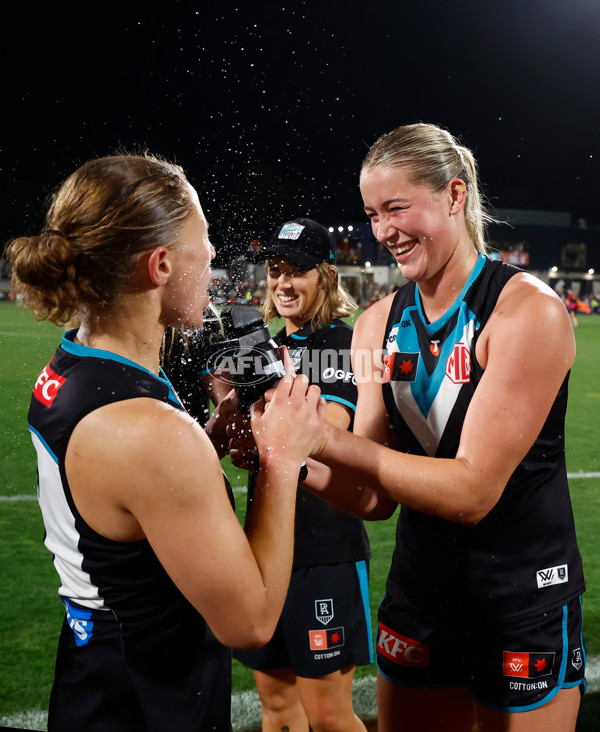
(31, 613)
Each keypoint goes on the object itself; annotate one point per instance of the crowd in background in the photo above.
(227, 291)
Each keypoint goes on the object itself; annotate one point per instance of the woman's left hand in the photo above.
(242, 447)
(217, 425)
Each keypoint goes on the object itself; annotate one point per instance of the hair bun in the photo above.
(54, 232)
(59, 247)
(46, 260)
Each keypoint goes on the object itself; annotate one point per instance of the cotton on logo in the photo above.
(458, 365)
(47, 386)
(402, 650)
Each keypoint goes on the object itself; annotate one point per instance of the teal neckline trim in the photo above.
(78, 349)
(308, 331)
(434, 327)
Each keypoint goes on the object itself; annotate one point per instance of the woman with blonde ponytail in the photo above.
(300, 686)
(460, 419)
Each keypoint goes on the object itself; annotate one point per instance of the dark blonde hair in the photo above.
(434, 157)
(332, 300)
(107, 213)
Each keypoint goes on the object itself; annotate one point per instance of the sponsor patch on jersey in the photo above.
(331, 375)
(552, 576)
(401, 366)
(321, 640)
(324, 611)
(458, 364)
(402, 650)
(47, 386)
(528, 665)
(79, 622)
(290, 231)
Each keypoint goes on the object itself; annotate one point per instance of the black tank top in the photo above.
(162, 635)
(522, 557)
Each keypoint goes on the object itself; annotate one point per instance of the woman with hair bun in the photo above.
(157, 576)
(462, 392)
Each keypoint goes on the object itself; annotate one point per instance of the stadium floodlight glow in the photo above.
(351, 228)
(340, 228)
(591, 271)
(331, 229)
(367, 264)
(553, 269)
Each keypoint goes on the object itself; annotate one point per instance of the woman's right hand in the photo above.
(289, 421)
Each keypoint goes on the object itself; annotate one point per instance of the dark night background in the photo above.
(270, 107)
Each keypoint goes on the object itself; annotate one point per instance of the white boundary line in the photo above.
(246, 710)
(242, 489)
(245, 706)
(29, 497)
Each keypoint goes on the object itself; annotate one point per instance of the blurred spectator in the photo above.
(571, 304)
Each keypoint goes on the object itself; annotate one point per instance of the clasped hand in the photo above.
(286, 423)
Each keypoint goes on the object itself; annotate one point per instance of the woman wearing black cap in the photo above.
(304, 674)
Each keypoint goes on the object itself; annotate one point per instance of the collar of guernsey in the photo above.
(435, 326)
(78, 349)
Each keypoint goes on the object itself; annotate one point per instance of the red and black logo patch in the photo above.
(401, 366)
(321, 640)
(47, 386)
(528, 665)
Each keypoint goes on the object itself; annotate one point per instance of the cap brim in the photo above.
(297, 257)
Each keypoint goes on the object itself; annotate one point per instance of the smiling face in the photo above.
(294, 292)
(422, 229)
(187, 295)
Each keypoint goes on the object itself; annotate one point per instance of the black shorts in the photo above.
(155, 684)
(325, 625)
(510, 667)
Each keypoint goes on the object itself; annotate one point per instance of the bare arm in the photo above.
(359, 493)
(526, 348)
(140, 468)
(217, 389)
(216, 427)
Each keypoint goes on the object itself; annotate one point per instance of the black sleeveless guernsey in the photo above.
(522, 558)
(158, 663)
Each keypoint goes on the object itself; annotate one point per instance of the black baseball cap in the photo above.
(303, 242)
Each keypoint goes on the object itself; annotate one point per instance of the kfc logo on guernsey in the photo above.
(458, 365)
(47, 385)
(402, 650)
